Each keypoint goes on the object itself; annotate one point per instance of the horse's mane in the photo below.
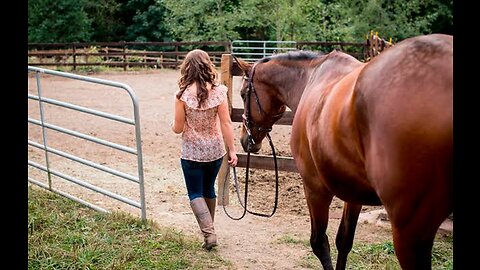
(293, 55)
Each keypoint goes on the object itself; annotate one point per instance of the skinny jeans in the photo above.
(200, 177)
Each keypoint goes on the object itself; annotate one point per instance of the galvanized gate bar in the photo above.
(93, 206)
(135, 122)
(84, 161)
(44, 136)
(85, 110)
(84, 136)
(253, 50)
(86, 184)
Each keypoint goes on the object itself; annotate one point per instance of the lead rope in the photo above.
(245, 200)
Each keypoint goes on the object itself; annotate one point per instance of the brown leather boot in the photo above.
(211, 203)
(204, 219)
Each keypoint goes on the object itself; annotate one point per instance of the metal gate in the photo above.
(49, 150)
(253, 50)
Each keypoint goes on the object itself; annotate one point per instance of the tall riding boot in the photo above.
(211, 203)
(204, 219)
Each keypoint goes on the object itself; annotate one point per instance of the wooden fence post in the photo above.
(125, 59)
(223, 181)
(74, 51)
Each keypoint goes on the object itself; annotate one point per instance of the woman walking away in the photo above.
(202, 116)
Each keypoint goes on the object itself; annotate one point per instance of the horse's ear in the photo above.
(243, 65)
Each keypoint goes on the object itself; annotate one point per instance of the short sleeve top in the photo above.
(202, 138)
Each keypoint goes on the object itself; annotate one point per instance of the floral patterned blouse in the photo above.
(202, 138)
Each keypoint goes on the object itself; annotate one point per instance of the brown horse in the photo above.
(375, 133)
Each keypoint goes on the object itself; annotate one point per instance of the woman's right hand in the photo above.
(233, 159)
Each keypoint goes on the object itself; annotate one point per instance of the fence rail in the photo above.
(170, 54)
(120, 54)
(253, 50)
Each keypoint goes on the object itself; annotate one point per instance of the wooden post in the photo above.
(74, 49)
(222, 179)
(176, 56)
(125, 60)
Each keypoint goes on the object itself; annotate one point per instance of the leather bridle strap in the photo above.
(244, 204)
(248, 124)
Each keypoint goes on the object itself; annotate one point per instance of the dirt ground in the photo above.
(250, 243)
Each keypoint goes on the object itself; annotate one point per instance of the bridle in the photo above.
(249, 124)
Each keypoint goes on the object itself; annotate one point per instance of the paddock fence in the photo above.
(122, 54)
(254, 50)
(48, 169)
(127, 55)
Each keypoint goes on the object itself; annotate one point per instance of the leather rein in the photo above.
(248, 123)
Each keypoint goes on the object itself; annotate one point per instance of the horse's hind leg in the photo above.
(346, 233)
(413, 236)
(414, 250)
(414, 229)
(318, 202)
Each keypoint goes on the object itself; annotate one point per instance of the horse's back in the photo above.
(404, 114)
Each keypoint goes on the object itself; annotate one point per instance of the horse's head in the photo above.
(263, 105)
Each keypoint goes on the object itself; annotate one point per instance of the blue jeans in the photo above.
(200, 177)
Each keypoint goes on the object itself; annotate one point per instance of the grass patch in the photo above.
(374, 256)
(382, 255)
(288, 239)
(63, 234)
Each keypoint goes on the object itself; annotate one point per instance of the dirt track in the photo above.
(251, 243)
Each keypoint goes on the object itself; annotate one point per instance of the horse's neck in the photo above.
(290, 84)
(293, 80)
(292, 95)
(331, 70)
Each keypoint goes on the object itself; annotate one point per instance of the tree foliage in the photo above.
(58, 21)
(104, 20)
(191, 20)
(148, 22)
(215, 20)
(400, 19)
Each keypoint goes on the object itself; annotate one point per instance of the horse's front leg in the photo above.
(346, 233)
(318, 201)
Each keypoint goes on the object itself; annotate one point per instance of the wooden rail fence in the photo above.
(170, 54)
(156, 54)
(120, 54)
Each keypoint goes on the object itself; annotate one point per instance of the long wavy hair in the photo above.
(197, 68)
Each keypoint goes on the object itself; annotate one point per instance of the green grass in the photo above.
(63, 234)
(374, 256)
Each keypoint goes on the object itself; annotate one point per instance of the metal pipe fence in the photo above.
(253, 50)
(139, 178)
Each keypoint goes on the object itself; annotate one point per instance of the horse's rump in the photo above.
(404, 114)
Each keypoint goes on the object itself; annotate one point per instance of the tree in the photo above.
(106, 24)
(148, 22)
(218, 20)
(324, 20)
(252, 20)
(190, 20)
(58, 21)
(399, 19)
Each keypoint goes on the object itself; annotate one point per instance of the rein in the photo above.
(248, 123)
